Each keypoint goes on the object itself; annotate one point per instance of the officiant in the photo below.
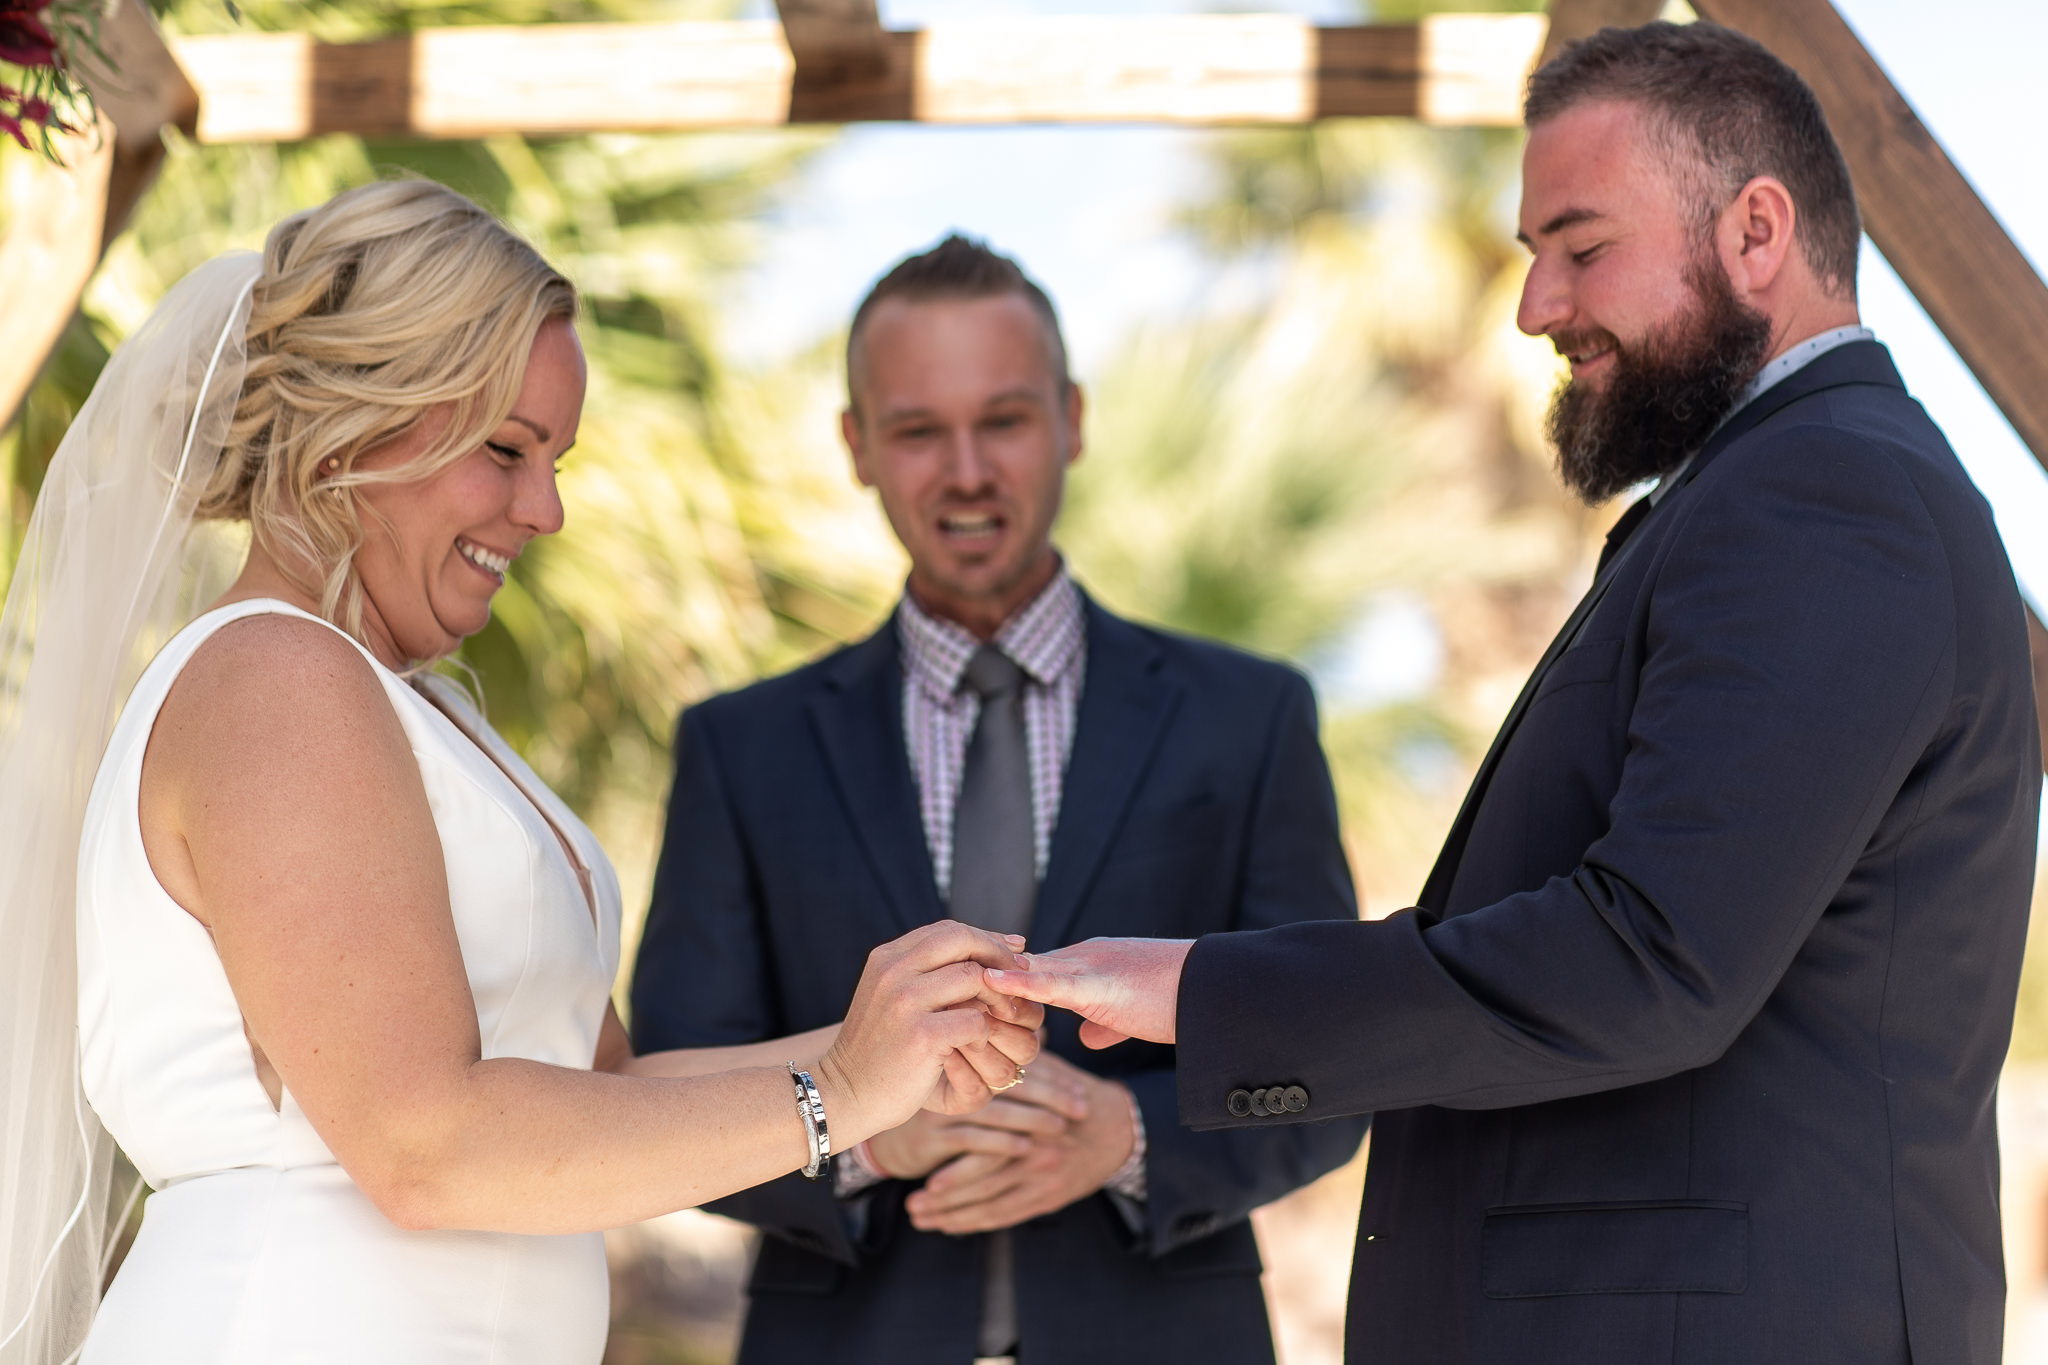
(1006, 752)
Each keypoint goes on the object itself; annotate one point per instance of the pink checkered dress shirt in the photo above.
(1048, 639)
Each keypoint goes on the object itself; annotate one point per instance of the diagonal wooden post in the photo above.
(1571, 20)
(1940, 237)
(61, 218)
(55, 217)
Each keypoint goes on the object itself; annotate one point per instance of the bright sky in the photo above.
(1088, 212)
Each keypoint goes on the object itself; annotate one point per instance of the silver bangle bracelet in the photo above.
(810, 1106)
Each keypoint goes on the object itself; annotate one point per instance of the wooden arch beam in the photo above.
(557, 79)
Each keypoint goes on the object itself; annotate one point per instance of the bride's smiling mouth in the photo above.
(491, 563)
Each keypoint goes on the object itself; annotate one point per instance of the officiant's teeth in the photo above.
(484, 559)
(968, 525)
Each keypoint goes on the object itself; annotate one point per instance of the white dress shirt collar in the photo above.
(1043, 638)
(1790, 361)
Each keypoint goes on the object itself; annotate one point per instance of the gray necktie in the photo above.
(995, 885)
(995, 863)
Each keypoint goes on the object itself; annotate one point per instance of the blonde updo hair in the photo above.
(386, 302)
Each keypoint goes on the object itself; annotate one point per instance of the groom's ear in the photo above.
(1072, 407)
(856, 446)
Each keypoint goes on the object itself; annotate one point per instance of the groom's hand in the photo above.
(1121, 987)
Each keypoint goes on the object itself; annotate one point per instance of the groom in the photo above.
(1689, 1052)
(1006, 752)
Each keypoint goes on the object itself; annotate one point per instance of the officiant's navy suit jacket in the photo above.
(1689, 1053)
(1196, 800)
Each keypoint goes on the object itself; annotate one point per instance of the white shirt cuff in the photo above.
(855, 1172)
(1129, 1180)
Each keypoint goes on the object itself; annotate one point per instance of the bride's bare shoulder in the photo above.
(276, 747)
(273, 686)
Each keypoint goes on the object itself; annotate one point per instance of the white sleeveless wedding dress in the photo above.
(256, 1246)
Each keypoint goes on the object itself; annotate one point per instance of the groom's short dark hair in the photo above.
(957, 268)
(1719, 101)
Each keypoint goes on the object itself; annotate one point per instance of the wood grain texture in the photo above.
(472, 82)
(1476, 67)
(825, 36)
(1159, 69)
(1918, 208)
(569, 78)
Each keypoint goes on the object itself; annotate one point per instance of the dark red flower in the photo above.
(39, 111)
(24, 41)
(12, 127)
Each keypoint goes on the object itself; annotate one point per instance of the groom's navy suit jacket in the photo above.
(1196, 799)
(1689, 1053)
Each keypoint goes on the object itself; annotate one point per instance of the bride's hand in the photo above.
(975, 1073)
(924, 1028)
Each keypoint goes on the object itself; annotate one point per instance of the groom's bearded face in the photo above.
(1662, 394)
(1627, 278)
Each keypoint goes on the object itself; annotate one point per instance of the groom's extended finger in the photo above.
(1047, 984)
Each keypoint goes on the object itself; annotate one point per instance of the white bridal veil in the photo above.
(108, 572)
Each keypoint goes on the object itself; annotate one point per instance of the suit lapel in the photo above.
(858, 717)
(1436, 891)
(1125, 707)
(1862, 362)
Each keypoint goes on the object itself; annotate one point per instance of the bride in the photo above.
(343, 963)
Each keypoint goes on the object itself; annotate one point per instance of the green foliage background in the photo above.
(1363, 422)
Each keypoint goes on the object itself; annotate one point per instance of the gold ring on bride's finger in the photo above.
(1012, 1084)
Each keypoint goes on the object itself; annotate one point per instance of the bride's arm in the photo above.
(283, 808)
(615, 1052)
